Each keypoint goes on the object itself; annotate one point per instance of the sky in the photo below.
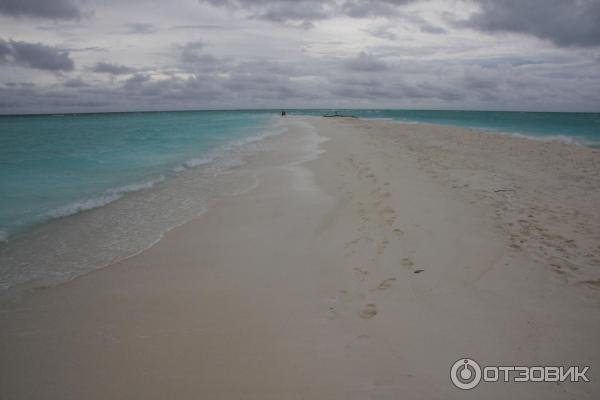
(61, 56)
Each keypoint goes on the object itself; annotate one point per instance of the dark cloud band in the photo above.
(308, 11)
(54, 9)
(112, 69)
(564, 22)
(35, 55)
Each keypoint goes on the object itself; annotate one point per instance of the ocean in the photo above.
(578, 128)
(81, 191)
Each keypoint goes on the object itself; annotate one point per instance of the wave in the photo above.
(549, 138)
(257, 138)
(576, 140)
(196, 162)
(217, 155)
(193, 163)
(381, 119)
(108, 197)
(136, 187)
(403, 121)
(229, 155)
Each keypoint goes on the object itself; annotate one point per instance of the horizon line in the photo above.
(271, 109)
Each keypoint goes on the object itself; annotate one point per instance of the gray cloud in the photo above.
(54, 9)
(192, 53)
(403, 19)
(564, 22)
(224, 61)
(20, 84)
(428, 28)
(136, 82)
(264, 83)
(140, 29)
(205, 63)
(112, 69)
(365, 62)
(5, 51)
(284, 11)
(371, 8)
(278, 10)
(201, 27)
(304, 12)
(383, 32)
(190, 50)
(399, 91)
(75, 83)
(35, 55)
(84, 49)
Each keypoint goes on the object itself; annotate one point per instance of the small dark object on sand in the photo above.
(418, 271)
(504, 190)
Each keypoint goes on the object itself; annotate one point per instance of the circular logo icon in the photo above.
(465, 373)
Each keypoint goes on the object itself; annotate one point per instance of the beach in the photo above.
(361, 260)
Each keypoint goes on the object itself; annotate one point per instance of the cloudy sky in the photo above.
(121, 55)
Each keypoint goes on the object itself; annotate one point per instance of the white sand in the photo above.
(307, 287)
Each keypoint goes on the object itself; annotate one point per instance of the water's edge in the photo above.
(89, 238)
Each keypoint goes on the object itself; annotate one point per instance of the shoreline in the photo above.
(199, 180)
(360, 266)
(216, 155)
(556, 138)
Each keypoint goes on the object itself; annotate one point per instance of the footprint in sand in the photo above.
(389, 215)
(382, 246)
(399, 232)
(332, 313)
(592, 284)
(386, 284)
(388, 210)
(360, 273)
(407, 263)
(368, 311)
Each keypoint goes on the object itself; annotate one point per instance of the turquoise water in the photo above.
(581, 128)
(79, 192)
(54, 166)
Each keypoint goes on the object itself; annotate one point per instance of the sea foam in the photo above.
(550, 138)
(193, 163)
(102, 200)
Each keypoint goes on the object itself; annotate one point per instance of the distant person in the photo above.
(283, 113)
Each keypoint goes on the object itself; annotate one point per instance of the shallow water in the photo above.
(78, 192)
(91, 201)
(53, 166)
(580, 128)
